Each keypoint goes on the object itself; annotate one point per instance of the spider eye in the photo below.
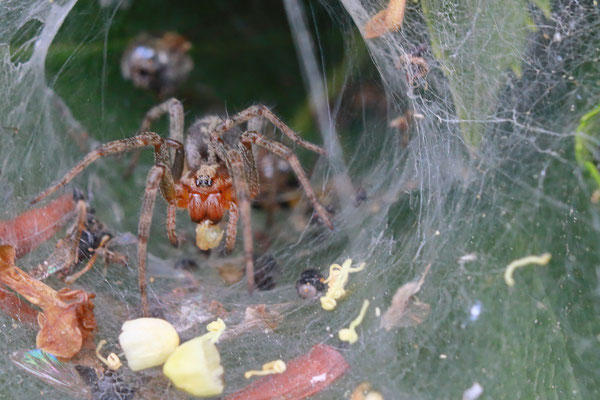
(204, 181)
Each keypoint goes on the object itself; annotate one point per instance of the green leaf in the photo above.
(589, 127)
(479, 45)
(544, 6)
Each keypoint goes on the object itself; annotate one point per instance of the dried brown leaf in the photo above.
(67, 316)
(395, 14)
(376, 27)
(405, 310)
(388, 20)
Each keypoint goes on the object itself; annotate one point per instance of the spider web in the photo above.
(488, 171)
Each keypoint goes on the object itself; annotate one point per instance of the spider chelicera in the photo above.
(214, 172)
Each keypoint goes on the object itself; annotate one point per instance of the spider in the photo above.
(212, 173)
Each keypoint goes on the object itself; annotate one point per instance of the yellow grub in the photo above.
(147, 342)
(349, 334)
(521, 262)
(208, 235)
(270, 368)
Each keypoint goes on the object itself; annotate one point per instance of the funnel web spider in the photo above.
(214, 172)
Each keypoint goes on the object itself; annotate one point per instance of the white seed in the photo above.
(147, 342)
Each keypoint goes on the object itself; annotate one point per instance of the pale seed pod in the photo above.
(147, 342)
(195, 367)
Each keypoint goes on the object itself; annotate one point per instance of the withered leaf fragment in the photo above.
(405, 309)
(67, 316)
(387, 20)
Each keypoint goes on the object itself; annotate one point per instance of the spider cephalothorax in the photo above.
(213, 174)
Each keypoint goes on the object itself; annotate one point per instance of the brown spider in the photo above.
(214, 172)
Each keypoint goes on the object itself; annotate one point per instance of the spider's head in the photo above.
(205, 175)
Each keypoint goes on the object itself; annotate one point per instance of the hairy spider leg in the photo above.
(243, 197)
(171, 231)
(288, 155)
(176, 120)
(260, 110)
(155, 176)
(231, 226)
(115, 147)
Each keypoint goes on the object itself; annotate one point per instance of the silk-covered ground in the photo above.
(487, 170)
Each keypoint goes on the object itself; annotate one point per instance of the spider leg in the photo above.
(263, 111)
(243, 198)
(175, 110)
(171, 233)
(287, 154)
(176, 120)
(231, 227)
(115, 147)
(152, 184)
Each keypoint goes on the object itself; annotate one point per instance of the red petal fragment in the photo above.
(304, 376)
(30, 229)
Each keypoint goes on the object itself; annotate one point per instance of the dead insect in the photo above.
(86, 239)
(157, 62)
(310, 284)
(215, 172)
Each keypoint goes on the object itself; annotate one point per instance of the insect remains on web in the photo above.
(214, 173)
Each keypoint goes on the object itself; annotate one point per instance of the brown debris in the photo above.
(16, 308)
(231, 273)
(416, 67)
(405, 309)
(259, 317)
(363, 392)
(262, 317)
(388, 20)
(67, 317)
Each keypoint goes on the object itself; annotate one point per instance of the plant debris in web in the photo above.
(405, 309)
(67, 317)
